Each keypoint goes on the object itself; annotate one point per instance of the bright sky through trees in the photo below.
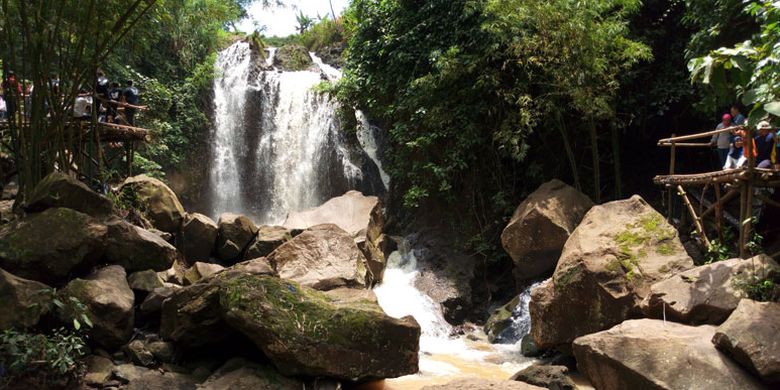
(280, 21)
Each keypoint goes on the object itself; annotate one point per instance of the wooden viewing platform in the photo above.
(742, 183)
(84, 132)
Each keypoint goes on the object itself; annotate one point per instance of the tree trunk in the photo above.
(594, 147)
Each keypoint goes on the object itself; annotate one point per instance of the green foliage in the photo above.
(42, 359)
(46, 358)
(761, 288)
(460, 85)
(749, 69)
(324, 33)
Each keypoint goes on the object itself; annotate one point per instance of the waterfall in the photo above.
(521, 319)
(229, 98)
(278, 145)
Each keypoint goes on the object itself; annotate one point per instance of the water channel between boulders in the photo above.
(443, 357)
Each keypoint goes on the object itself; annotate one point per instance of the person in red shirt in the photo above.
(12, 91)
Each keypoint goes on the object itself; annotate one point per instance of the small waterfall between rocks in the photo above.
(521, 319)
(278, 145)
(443, 356)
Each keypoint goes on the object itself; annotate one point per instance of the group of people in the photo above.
(114, 104)
(731, 145)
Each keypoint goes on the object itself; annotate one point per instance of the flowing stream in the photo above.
(443, 357)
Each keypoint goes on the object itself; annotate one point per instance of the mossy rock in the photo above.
(305, 332)
(155, 200)
(292, 58)
(500, 319)
(60, 190)
(51, 245)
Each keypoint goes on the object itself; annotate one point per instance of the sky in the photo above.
(281, 21)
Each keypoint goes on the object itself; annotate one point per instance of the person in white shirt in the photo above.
(82, 107)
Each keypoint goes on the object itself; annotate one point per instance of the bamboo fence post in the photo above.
(696, 221)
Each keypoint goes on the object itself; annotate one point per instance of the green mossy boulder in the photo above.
(305, 332)
(60, 190)
(500, 319)
(50, 245)
(155, 200)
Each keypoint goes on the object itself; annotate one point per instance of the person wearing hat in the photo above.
(765, 145)
(737, 156)
(722, 140)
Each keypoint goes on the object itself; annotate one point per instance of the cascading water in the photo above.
(521, 319)
(443, 356)
(278, 144)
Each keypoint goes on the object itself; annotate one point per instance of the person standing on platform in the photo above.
(132, 98)
(722, 140)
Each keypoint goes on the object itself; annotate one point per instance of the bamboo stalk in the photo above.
(699, 135)
(696, 220)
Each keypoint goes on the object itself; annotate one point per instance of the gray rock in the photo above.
(651, 354)
(24, 301)
(751, 335)
(198, 237)
(540, 226)
(617, 252)
(60, 190)
(137, 249)
(109, 302)
(238, 374)
(139, 378)
(548, 377)
(50, 245)
(138, 354)
(235, 232)
(706, 294)
(144, 281)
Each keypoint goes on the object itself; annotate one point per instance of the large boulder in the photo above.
(238, 374)
(305, 332)
(483, 384)
(235, 232)
(323, 257)
(137, 249)
(191, 316)
(351, 212)
(706, 294)
(155, 200)
(540, 227)
(608, 264)
(267, 240)
(751, 335)
(653, 354)
(24, 301)
(198, 237)
(359, 215)
(50, 245)
(109, 301)
(61, 190)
